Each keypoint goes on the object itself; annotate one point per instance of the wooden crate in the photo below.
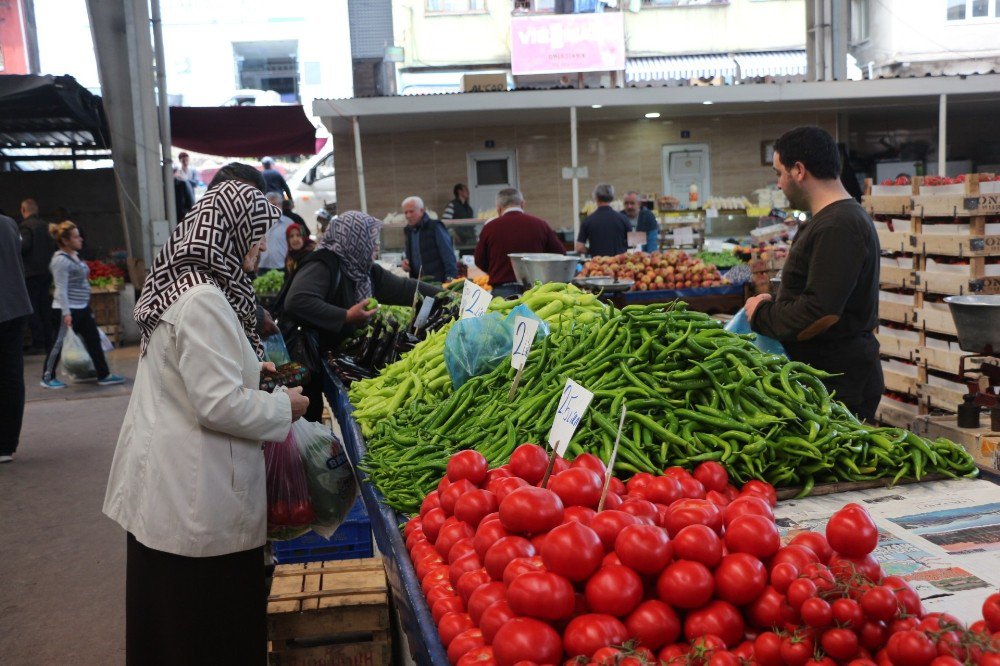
(960, 245)
(104, 305)
(943, 360)
(896, 413)
(887, 205)
(329, 614)
(940, 397)
(897, 312)
(896, 347)
(932, 319)
(956, 205)
(896, 277)
(895, 241)
(957, 284)
(897, 382)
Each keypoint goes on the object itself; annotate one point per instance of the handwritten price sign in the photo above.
(572, 405)
(525, 329)
(475, 300)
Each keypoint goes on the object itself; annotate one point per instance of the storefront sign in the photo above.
(567, 43)
(484, 82)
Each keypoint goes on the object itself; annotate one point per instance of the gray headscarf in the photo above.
(353, 237)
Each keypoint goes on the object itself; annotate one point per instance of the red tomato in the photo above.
(612, 500)
(841, 644)
(851, 531)
(796, 649)
(580, 514)
(529, 461)
(525, 639)
(443, 591)
(640, 508)
(663, 490)
(799, 591)
(691, 487)
(412, 525)
(506, 486)
(699, 543)
(762, 489)
(487, 534)
(879, 603)
(450, 535)
(541, 594)
(756, 535)
(482, 656)
(912, 648)
(614, 590)
(520, 565)
(433, 521)
(654, 624)
(483, 598)
(873, 635)
(770, 609)
(448, 604)
(606, 656)
(782, 575)
(475, 505)
(461, 547)
(685, 584)
(468, 562)
(572, 549)
(719, 618)
(639, 482)
(465, 642)
(947, 661)
(451, 494)
(435, 576)
(470, 581)
(608, 524)
(906, 595)
(470, 465)
(816, 612)
(495, 616)
(675, 655)
(577, 486)
(747, 504)
(799, 556)
(693, 512)
(845, 567)
(821, 576)
(586, 634)
(991, 611)
(496, 474)
(452, 624)
(712, 475)
(531, 510)
(739, 578)
(503, 551)
(767, 649)
(591, 462)
(815, 542)
(644, 548)
(723, 658)
(848, 613)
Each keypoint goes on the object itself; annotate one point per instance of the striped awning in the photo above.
(771, 63)
(672, 68)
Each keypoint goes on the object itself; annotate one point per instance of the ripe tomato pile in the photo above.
(682, 568)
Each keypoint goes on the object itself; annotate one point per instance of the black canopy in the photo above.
(50, 112)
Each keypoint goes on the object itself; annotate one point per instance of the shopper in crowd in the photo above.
(273, 258)
(331, 289)
(827, 305)
(243, 173)
(187, 481)
(605, 230)
(275, 181)
(15, 308)
(183, 194)
(512, 231)
(429, 252)
(288, 210)
(71, 307)
(188, 172)
(459, 208)
(36, 250)
(641, 219)
(299, 247)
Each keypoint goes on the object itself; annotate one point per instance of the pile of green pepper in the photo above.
(693, 392)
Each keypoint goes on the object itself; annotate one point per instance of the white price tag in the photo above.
(684, 236)
(425, 312)
(572, 404)
(524, 335)
(475, 300)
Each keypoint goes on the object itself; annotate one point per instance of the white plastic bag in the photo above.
(76, 362)
(106, 343)
(332, 488)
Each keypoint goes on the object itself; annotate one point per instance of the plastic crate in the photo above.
(352, 540)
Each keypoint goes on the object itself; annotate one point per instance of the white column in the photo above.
(574, 154)
(942, 133)
(163, 104)
(360, 165)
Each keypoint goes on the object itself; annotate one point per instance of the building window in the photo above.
(859, 20)
(539, 6)
(683, 3)
(962, 10)
(455, 6)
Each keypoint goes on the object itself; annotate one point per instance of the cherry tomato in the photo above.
(848, 613)
(851, 531)
(644, 548)
(718, 618)
(816, 612)
(685, 584)
(770, 610)
(800, 556)
(469, 464)
(699, 543)
(525, 639)
(912, 648)
(799, 591)
(796, 649)
(873, 635)
(846, 567)
(879, 603)
(841, 644)
(588, 633)
(614, 590)
(739, 578)
(782, 575)
(654, 624)
(572, 549)
(531, 510)
(906, 595)
(767, 648)
(815, 542)
(991, 612)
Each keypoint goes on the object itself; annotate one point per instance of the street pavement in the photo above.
(62, 587)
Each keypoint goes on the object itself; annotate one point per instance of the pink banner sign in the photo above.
(567, 43)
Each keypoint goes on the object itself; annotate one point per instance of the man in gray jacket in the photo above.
(14, 310)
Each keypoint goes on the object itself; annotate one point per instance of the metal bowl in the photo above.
(608, 284)
(553, 268)
(977, 319)
(517, 263)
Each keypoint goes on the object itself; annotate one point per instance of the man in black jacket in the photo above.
(428, 251)
(827, 306)
(275, 181)
(37, 248)
(15, 308)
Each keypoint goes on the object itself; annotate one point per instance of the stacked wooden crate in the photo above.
(950, 246)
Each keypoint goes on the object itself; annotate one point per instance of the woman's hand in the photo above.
(299, 402)
(358, 315)
(268, 366)
(67, 321)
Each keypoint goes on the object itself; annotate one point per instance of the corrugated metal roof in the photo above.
(773, 63)
(666, 68)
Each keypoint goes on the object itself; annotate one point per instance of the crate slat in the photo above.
(896, 277)
(933, 319)
(895, 413)
(898, 312)
(950, 245)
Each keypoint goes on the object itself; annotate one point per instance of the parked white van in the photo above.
(313, 186)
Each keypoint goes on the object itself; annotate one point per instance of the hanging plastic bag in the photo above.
(740, 324)
(477, 345)
(332, 487)
(289, 509)
(275, 350)
(106, 344)
(76, 362)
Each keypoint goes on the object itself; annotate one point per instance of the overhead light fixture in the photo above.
(708, 101)
(596, 106)
(653, 114)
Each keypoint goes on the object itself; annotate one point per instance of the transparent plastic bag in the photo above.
(74, 359)
(332, 487)
(289, 509)
(477, 345)
(740, 324)
(275, 350)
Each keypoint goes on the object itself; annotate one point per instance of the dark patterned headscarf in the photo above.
(353, 237)
(208, 247)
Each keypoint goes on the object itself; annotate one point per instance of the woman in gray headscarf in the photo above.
(330, 290)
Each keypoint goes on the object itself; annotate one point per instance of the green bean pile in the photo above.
(693, 392)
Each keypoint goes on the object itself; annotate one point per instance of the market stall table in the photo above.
(725, 299)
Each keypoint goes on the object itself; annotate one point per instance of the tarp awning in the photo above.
(773, 63)
(50, 112)
(243, 131)
(666, 68)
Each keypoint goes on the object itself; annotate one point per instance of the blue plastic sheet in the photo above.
(475, 346)
(740, 324)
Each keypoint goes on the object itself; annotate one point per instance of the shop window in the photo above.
(683, 3)
(455, 6)
(860, 12)
(962, 10)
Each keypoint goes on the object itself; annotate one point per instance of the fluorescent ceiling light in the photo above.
(653, 114)
(708, 102)
(596, 106)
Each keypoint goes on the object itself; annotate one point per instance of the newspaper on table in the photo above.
(942, 537)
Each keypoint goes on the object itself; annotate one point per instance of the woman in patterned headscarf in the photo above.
(187, 480)
(331, 288)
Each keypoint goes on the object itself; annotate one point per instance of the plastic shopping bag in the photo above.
(740, 324)
(76, 362)
(289, 509)
(275, 350)
(106, 344)
(332, 487)
(477, 345)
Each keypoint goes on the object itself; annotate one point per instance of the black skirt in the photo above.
(194, 610)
